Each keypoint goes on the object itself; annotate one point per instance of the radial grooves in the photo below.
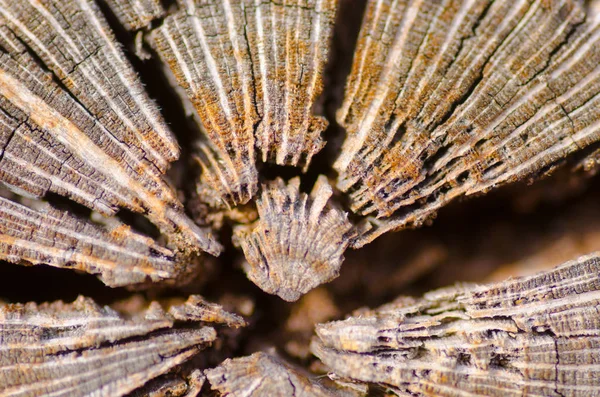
(199, 310)
(203, 45)
(263, 374)
(78, 119)
(82, 349)
(49, 236)
(533, 336)
(453, 98)
(252, 69)
(289, 44)
(88, 61)
(136, 14)
(299, 240)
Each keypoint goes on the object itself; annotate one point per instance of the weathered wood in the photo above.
(82, 349)
(263, 374)
(76, 121)
(197, 309)
(50, 236)
(532, 336)
(453, 98)
(136, 14)
(298, 241)
(172, 386)
(253, 71)
(446, 99)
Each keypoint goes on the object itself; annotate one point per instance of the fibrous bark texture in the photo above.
(298, 241)
(533, 336)
(136, 14)
(83, 349)
(253, 71)
(444, 100)
(263, 374)
(76, 120)
(199, 310)
(50, 236)
(452, 98)
(173, 386)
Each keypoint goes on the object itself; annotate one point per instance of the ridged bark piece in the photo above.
(532, 336)
(289, 43)
(453, 98)
(263, 374)
(204, 45)
(252, 69)
(50, 236)
(75, 119)
(199, 310)
(83, 349)
(136, 14)
(298, 242)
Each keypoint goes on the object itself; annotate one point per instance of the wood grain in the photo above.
(531, 336)
(454, 98)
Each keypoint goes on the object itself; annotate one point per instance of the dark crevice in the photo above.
(426, 35)
(168, 4)
(480, 76)
(501, 361)
(462, 226)
(65, 204)
(429, 160)
(492, 167)
(42, 283)
(556, 366)
(10, 137)
(254, 101)
(61, 84)
(293, 387)
(343, 42)
(463, 177)
(138, 223)
(398, 135)
(480, 19)
(131, 339)
(270, 171)
(565, 41)
(464, 359)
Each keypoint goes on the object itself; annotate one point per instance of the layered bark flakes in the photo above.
(445, 99)
(77, 122)
(298, 242)
(82, 349)
(263, 374)
(136, 14)
(533, 336)
(252, 70)
(452, 98)
(50, 236)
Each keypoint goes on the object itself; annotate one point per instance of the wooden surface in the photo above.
(443, 100)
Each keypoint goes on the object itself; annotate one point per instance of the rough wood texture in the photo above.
(533, 336)
(82, 349)
(136, 14)
(75, 119)
(50, 236)
(253, 70)
(452, 98)
(263, 374)
(446, 99)
(298, 242)
(197, 309)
